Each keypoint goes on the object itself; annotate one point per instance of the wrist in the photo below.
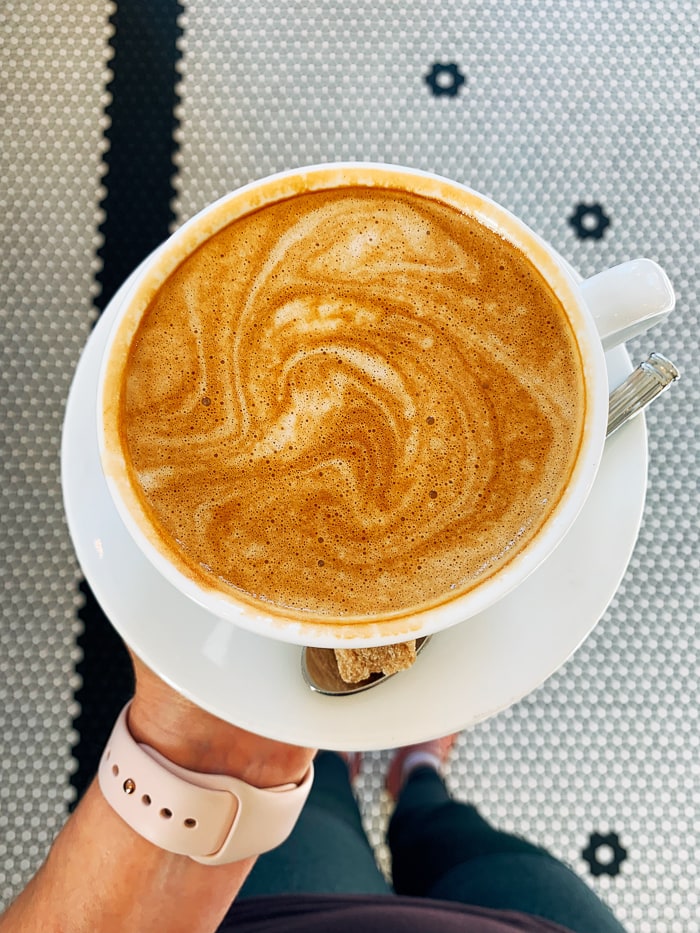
(199, 741)
(214, 818)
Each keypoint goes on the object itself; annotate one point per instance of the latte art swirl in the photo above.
(351, 402)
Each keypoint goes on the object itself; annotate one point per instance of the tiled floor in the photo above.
(581, 118)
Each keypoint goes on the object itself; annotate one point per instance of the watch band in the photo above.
(212, 818)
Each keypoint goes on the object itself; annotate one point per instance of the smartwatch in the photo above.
(212, 818)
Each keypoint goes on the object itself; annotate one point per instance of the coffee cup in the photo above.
(354, 404)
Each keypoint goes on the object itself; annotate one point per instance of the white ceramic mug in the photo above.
(604, 311)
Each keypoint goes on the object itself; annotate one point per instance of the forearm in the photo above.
(101, 877)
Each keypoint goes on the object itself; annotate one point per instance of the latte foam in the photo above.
(351, 402)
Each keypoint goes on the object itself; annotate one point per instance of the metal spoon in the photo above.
(320, 671)
(652, 377)
(318, 665)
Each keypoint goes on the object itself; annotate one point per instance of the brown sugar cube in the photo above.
(357, 664)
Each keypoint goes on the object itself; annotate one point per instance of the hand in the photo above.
(193, 738)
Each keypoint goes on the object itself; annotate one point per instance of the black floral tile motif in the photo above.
(445, 80)
(589, 221)
(604, 854)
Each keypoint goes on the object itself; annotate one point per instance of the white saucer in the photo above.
(465, 675)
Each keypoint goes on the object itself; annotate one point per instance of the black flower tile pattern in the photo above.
(445, 80)
(589, 221)
(604, 854)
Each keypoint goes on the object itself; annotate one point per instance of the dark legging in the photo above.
(440, 848)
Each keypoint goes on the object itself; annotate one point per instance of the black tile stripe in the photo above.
(140, 157)
(107, 683)
(138, 215)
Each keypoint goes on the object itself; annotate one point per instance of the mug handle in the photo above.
(628, 299)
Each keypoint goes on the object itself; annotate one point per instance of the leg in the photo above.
(444, 849)
(328, 851)
(430, 835)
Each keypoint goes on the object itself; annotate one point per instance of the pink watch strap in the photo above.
(212, 818)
